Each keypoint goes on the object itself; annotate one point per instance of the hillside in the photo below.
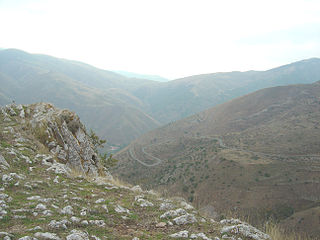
(53, 186)
(258, 154)
(100, 97)
(181, 98)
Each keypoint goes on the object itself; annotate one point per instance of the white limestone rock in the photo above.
(27, 238)
(78, 235)
(166, 206)
(199, 235)
(185, 219)
(245, 230)
(67, 210)
(173, 213)
(40, 207)
(120, 209)
(99, 223)
(144, 203)
(58, 224)
(181, 234)
(3, 163)
(47, 236)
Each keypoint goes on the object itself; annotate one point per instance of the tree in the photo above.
(96, 141)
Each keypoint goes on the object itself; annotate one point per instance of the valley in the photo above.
(256, 156)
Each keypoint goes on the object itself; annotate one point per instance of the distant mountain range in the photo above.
(123, 108)
(101, 98)
(142, 76)
(257, 154)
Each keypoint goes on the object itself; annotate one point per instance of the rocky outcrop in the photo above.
(61, 131)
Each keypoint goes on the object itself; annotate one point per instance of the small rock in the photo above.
(99, 223)
(84, 222)
(41, 207)
(100, 200)
(47, 236)
(56, 179)
(75, 219)
(78, 235)
(67, 210)
(181, 234)
(144, 203)
(58, 224)
(173, 213)
(37, 228)
(245, 230)
(166, 206)
(200, 235)
(161, 224)
(27, 238)
(105, 208)
(120, 209)
(186, 206)
(185, 219)
(137, 188)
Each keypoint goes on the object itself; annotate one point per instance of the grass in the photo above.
(276, 233)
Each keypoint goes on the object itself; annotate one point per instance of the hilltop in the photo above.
(54, 186)
(257, 156)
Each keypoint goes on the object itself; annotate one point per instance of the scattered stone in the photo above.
(37, 228)
(58, 224)
(245, 230)
(84, 222)
(231, 221)
(181, 234)
(83, 212)
(67, 210)
(75, 219)
(33, 198)
(47, 236)
(3, 163)
(27, 238)
(78, 235)
(105, 208)
(40, 207)
(166, 206)
(200, 235)
(100, 200)
(99, 223)
(185, 219)
(161, 224)
(144, 203)
(55, 180)
(137, 188)
(120, 209)
(173, 213)
(95, 237)
(186, 206)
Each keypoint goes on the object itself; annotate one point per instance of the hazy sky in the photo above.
(172, 38)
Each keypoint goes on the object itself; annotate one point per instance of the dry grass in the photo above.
(276, 233)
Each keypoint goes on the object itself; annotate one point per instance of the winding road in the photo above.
(157, 161)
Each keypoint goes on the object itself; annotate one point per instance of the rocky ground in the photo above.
(52, 186)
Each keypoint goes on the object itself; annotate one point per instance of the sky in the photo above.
(170, 38)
